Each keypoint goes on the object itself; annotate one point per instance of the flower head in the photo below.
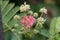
(41, 20)
(43, 10)
(28, 21)
(24, 7)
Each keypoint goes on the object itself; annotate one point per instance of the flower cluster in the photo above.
(41, 20)
(43, 10)
(24, 7)
(28, 21)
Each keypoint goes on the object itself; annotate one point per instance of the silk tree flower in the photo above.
(43, 10)
(28, 21)
(41, 20)
(24, 7)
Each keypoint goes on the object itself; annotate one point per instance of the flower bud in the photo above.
(35, 14)
(22, 28)
(16, 17)
(16, 25)
(36, 31)
(13, 30)
(30, 12)
(20, 32)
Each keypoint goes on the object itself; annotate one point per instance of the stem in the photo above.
(9, 28)
(41, 15)
(36, 26)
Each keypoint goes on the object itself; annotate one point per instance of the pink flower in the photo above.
(28, 21)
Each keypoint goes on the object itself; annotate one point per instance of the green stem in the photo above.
(41, 15)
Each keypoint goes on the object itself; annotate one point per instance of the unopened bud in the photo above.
(20, 32)
(36, 31)
(16, 25)
(35, 14)
(16, 17)
(30, 12)
(13, 30)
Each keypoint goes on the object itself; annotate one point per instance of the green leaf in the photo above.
(4, 4)
(15, 36)
(13, 22)
(58, 25)
(7, 35)
(7, 9)
(0, 3)
(5, 28)
(53, 26)
(57, 37)
(38, 37)
(45, 33)
(11, 14)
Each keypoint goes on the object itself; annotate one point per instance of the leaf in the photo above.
(15, 36)
(11, 14)
(38, 37)
(57, 37)
(58, 25)
(4, 4)
(0, 3)
(5, 28)
(53, 26)
(13, 22)
(7, 9)
(7, 35)
(45, 33)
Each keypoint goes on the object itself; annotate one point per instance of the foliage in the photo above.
(8, 11)
(55, 29)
